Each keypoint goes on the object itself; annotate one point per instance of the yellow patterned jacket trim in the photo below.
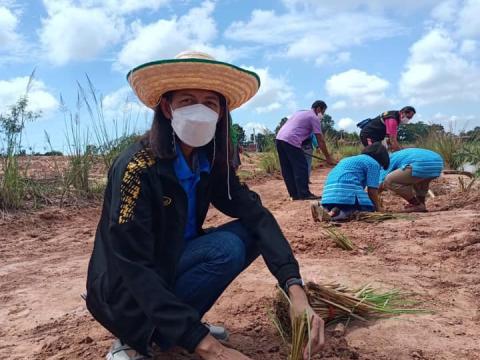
(130, 187)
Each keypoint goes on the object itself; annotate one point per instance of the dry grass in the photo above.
(342, 240)
(376, 217)
(334, 302)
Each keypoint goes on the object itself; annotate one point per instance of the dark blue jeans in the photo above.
(210, 262)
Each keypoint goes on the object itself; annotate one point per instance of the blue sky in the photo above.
(361, 57)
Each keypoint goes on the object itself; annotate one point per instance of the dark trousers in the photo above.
(294, 169)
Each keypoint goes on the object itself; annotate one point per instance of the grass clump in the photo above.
(334, 302)
(295, 332)
(376, 217)
(13, 182)
(466, 185)
(269, 162)
(342, 240)
(448, 145)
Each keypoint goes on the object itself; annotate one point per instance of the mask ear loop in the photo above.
(214, 150)
(228, 160)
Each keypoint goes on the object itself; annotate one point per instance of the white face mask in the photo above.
(320, 116)
(194, 124)
(404, 120)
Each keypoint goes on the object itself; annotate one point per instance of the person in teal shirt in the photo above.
(409, 175)
(344, 189)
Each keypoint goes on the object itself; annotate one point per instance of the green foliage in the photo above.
(447, 144)
(13, 184)
(240, 133)
(279, 126)
(266, 141)
(328, 125)
(413, 132)
(80, 156)
(112, 135)
(269, 162)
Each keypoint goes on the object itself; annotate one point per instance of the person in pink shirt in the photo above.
(385, 126)
(292, 134)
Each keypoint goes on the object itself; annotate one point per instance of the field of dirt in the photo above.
(434, 255)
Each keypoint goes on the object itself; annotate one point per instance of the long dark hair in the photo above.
(160, 138)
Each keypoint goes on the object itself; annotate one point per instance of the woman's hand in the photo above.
(210, 348)
(300, 305)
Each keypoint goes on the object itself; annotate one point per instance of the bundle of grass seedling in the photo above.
(333, 302)
(296, 334)
(339, 238)
(376, 217)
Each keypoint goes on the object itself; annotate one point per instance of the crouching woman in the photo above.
(344, 188)
(154, 272)
(409, 175)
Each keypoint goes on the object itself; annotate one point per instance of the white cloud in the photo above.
(250, 127)
(123, 102)
(275, 93)
(400, 6)
(436, 72)
(454, 123)
(128, 6)
(8, 24)
(468, 47)
(312, 34)
(72, 33)
(360, 88)
(339, 105)
(345, 123)
(445, 11)
(196, 30)
(39, 97)
(468, 23)
(121, 7)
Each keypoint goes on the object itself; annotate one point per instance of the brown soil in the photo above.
(44, 256)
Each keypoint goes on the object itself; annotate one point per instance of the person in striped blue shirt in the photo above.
(344, 188)
(409, 175)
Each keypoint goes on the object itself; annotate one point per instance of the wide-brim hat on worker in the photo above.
(193, 70)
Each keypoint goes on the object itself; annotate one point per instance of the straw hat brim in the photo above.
(151, 80)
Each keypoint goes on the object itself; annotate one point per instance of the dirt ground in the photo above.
(435, 255)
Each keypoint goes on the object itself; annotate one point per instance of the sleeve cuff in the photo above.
(286, 272)
(193, 336)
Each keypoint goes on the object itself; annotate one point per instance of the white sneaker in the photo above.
(218, 332)
(120, 351)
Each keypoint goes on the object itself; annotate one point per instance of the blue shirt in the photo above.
(189, 179)
(346, 183)
(425, 163)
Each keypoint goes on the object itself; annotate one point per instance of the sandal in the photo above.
(319, 213)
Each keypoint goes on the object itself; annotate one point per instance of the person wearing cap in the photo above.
(344, 188)
(154, 272)
(293, 164)
(385, 126)
(409, 175)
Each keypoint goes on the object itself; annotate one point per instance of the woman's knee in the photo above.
(229, 250)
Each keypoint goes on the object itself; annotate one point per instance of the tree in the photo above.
(282, 122)
(327, 124)
(409, 133)
(241, 137)
(13, 123)
(265, 141)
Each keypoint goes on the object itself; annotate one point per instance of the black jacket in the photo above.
(376, 129)
(139, 240)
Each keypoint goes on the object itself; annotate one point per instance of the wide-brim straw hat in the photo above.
(193, 70)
